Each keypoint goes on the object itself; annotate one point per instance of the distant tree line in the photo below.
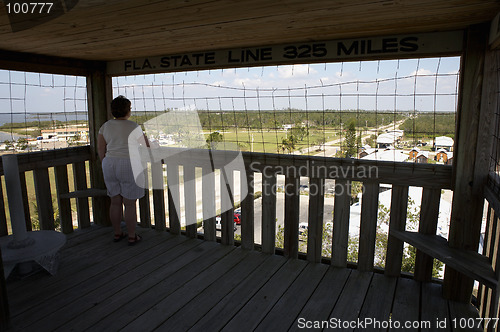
(429, 125)
(272, 120)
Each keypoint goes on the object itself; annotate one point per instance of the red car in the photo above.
(237, 219)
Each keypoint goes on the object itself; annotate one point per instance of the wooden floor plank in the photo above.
(435, 308)
(161, 311)
(189, 284)
(102, 273)
(82, 310)
(351, 299)
(185, 318)
(160, 286)
(322, 301)
(284, 313)
(230, 305)
(74, 246)
(131, 285)
(406, 306)
(83, 265)
(378, 303)
(259, 305)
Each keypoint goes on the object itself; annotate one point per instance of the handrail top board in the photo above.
(84, 193)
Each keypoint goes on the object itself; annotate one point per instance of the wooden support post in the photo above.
(315, 222)
(341, 212)
(397, 222)
(247, 210)
(268, 213)
(467, 206)
(99, 95)
(292, 206)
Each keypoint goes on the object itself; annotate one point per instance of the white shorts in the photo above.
(120, 180)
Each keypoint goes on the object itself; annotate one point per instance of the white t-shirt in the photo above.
(116, 134)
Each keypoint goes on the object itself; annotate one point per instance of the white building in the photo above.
(443, 142)
(389, 154)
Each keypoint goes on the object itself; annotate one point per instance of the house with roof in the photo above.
(413, 153)
(422, 157)
(443, 142)
(444, 157)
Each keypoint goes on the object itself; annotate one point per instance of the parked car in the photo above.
(218, 223)
(303, 231)
(237, 218)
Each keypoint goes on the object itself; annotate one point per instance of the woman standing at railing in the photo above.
(113, 151)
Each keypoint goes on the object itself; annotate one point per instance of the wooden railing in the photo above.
(432, 178)
(42, 165)
(175, 173)
(488, 297)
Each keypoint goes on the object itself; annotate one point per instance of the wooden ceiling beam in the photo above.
(47, 64)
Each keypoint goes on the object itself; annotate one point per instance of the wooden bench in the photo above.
(468, 262)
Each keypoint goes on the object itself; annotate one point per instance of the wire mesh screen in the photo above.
(402, 110)
(42, 111)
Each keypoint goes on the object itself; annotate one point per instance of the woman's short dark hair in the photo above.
(120, 106)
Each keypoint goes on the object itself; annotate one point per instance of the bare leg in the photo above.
(115, 213)
(130, 216)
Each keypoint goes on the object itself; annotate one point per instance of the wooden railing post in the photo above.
(190, 199)
(208, 193)
(24, 193)
(227, 217)
(315, 222)
(368, 226)
(292, 208)
(268, 213)
(247, 210)
(429, 213)
(341, 213)
(44, 198)
(173, 198)
(144, 205)
(82, 203)
(158, 195)
(397, 222)
(62, 187)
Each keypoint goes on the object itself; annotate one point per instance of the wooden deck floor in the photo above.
(174, 283)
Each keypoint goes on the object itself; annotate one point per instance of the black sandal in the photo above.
(119, 237)
(133, 240)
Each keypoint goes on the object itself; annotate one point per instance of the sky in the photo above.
(428, 84)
